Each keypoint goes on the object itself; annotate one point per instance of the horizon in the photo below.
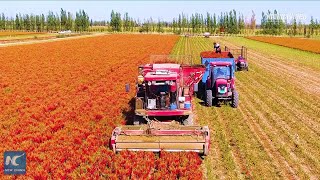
(164, 10)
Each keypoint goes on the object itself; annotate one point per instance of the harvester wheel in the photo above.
(137, 120)
(209, 98)
(247, 68)
(188, 121)
(235, 99)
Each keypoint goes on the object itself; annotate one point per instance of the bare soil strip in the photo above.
(34, 41)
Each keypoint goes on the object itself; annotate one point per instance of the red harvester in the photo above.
(164, 111)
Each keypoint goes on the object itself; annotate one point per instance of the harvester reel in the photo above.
(180, 59)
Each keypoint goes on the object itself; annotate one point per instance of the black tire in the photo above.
(201, 91)
(209, 98)
(137, 120)
(188, 121)
(215, 102)
(247, 68)
(235, 99)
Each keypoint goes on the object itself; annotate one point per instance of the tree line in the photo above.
(273, 24)
(50, 22)
(231, 22)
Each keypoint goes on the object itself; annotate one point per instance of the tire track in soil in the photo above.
(213, 159)
(234, 155)
(286, 125)
(267, 142)
(311, 122)
(289, 62)
(310, 82)
(286, 63)
(241, 161)
(310, 125)
(308, 107)
(279, 161)
(238, 160)
(215, 151)
(307, 80)
(294, 110)
(305, 168)
(235, 150)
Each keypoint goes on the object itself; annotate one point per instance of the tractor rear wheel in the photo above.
(188, 121)
(235, 99)
(209, 98)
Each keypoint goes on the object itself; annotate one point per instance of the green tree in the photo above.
(43, 22)
(32, 22)
(38, 23)
(126, 22)
(26, 22)
(215, 25)
(312, 26)
(159, 27)
(2, 22)
(63, 19)
(115, 21)
(69, 23)
(294, 26)
(17, 23)
(82, 22)
(50, 21)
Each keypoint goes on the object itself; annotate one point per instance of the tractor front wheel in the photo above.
(209, 98)
(235, 99)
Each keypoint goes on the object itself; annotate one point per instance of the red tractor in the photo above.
(164, 112)
(240, 55)
(218, 82)
(220, 85)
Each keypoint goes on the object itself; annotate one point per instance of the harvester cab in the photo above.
(163, 111)
(218, 82)
(164, 91)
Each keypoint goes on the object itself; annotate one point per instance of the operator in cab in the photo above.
(219, 73)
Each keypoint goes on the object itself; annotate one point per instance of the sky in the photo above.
(165, 10)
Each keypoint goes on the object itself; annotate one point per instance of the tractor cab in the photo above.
(221, 79)
(221, 72)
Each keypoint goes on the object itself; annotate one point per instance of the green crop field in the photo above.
(274, 133)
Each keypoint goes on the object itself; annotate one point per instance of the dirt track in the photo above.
(48, 39)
